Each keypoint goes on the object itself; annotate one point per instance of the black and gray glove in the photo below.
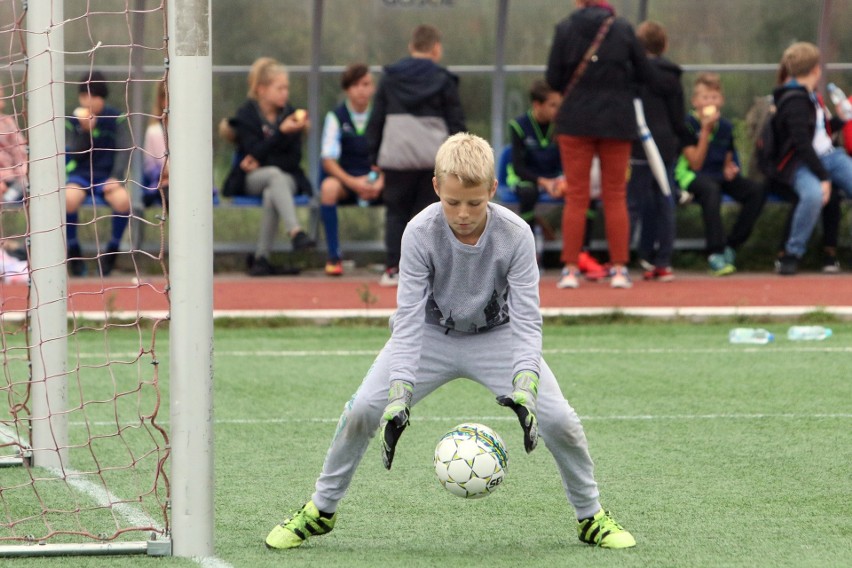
(522, 401)
(395, 418)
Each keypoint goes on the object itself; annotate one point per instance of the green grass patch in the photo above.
(711, 454)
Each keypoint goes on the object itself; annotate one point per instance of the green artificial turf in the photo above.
(711, 454)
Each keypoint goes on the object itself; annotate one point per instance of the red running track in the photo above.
(316, 291)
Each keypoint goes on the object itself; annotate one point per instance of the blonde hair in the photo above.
(262, 72)
(800, 58)
(467, 157)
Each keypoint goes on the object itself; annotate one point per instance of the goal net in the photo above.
(84, 293)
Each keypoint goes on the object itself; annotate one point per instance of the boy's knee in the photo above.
(362, 416)
(330, 190)
(811, 198)
(566, 431)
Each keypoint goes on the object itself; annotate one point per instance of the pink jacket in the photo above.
(13, 149)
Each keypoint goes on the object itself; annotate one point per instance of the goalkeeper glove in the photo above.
(395, 418)
(522, 401)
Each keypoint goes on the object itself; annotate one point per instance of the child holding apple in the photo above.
(709, 167)
(268, 133)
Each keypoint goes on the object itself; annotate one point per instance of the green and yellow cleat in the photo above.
(602, 530)
(295, 531)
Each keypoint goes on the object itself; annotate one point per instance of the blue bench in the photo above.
(255, 201)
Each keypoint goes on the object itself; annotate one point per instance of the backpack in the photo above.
(771, 154)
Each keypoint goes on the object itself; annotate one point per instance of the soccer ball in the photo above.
(471, 461)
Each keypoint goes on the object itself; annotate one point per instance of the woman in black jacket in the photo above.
(269, 139)
(596, 117)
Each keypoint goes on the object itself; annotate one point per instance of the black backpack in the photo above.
(772, 154)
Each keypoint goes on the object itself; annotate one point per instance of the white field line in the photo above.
(104, 498)
(323, 315)
(211, 562)
(132, 514)
(577, 351)
(512, 418)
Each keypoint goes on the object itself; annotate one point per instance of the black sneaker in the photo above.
(787, 265)
(262, 267)
(107, 260)
(76, 264)
(301, 241)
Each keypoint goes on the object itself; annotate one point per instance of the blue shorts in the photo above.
(94, 184)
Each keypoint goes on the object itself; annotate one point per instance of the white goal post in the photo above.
(191, 266)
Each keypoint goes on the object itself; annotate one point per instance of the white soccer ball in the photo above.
(471, 461)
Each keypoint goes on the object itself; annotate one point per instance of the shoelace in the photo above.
(608, 524)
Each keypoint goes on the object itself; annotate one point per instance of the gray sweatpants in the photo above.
(485, 358)
(277, 188)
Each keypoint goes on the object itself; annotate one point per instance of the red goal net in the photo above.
(84, 302)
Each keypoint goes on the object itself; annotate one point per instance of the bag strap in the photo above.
(590, 53)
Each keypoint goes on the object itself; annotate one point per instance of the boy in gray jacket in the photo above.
(468, 306)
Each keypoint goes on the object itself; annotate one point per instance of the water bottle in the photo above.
(841, 103)
(371, 179)
(750, 335)
(808, 333)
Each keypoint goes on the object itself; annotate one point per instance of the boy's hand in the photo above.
(395, 418)
(522, 401)
(731, 170)
(709, 116)
(825, 186)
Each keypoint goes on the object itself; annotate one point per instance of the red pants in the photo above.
(577, 153)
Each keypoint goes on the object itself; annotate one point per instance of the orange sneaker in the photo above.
(334, 268)
(590, 267)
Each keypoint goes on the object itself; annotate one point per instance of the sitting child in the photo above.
(346, 158)
(814, 164)
(98, 147)
(536, 166)
(709, 167)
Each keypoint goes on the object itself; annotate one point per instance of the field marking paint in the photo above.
(132, 514)
(105, 498)
(211, 562)
(512, 418)
(576, 351)
(665, 312)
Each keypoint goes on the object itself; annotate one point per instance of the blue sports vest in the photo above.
(354, 153)
(721, 141)
(102, 157)
(542, 154)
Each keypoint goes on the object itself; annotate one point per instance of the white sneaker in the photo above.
(569, 279)
(621, 279)
(390, 278)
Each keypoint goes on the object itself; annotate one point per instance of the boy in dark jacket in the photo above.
(646, 203)
(810, 162)
(416, 108)
(536, 167)
(710, 167)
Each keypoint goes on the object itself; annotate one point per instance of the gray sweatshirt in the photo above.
(466, 289)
